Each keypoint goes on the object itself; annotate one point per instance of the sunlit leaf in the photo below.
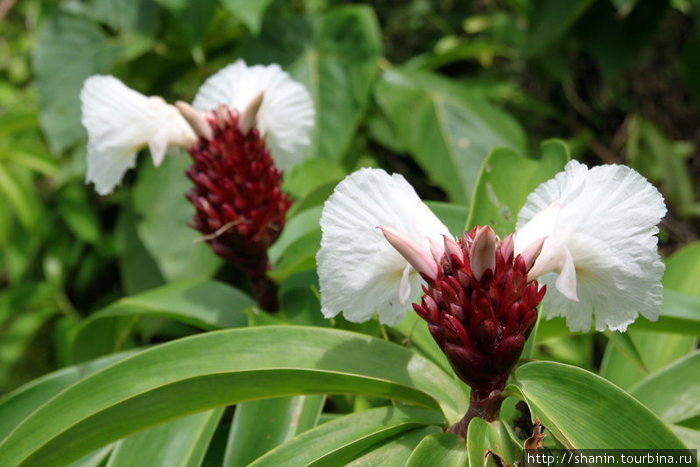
(221, 368)
(584, 411)
(448, 129)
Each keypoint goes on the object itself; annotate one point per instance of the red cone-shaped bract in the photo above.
(481, 324)
(240, 208)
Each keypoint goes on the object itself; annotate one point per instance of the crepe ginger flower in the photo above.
(285, 118)
(360, 273)
(120, 122)
(246, 124)
(599, 257)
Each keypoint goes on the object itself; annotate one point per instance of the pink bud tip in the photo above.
(482, 253)
(417, 256)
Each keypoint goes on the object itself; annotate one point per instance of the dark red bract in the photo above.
(240, 207)
(481, 324)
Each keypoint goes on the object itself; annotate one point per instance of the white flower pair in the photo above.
(599, 256)
(121, 121)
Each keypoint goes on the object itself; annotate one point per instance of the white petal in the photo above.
(120, 122)
(286, 116)
(607, 223)
(359, 272)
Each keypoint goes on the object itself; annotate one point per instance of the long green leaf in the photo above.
(341, 440)
(444, 449)
(674, 392)
(221, 368)
(180, 443)
(206, 304)
(585, 411)
(17, 405)
(395, 451)
(259, 426)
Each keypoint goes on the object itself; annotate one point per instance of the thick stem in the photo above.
(264, 288)
(482, 404)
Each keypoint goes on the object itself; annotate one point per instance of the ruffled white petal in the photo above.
(120, 122)
(360, 273)
(601, 243)
(286, 116)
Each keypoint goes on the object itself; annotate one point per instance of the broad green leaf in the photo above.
(656, 350)
(482, 437)
(69, 50)
(221, 368)
(683, 269)
(341, 440)
(250, 13)
(452, 215)
(584, 411)
(94, 459)
(673, 393)
(336, 55)
(159, 200)
(300, 256)
(443, 449)
(506, 179)
(298, 227)
(395, 451)
(18, 404)
(180, 443)
(259, 426)
(205, 304)
(137, 268)
(125, 16)
(312, 173)
(549, 22)
(447, 129)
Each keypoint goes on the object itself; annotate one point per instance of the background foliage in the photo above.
(474, 102)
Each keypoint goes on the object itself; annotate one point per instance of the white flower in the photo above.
(286, 116)
(359, 271)
(119, 123)
(600, 254)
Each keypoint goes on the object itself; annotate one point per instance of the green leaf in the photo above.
(297, 228)
(674, 392)
(663, 161)
(259, 426)
(680, 314)
(19, 192)
(94, 459)
(656, 349)
(69, 50)
(506, 179)
(201, 303)
(159, 200)
(484, 437)
(443, 449)
(341, 440)
(220, 368)
(311, 174)
(250, 13)
(447, 129)
(179, 443)
(74, 209)
(452, 215)
(395, 451)
(683, 269)
(584, 411)
(17, 405)
(336, 55)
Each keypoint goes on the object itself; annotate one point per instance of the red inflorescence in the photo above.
(481, 324)
(240, 207)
